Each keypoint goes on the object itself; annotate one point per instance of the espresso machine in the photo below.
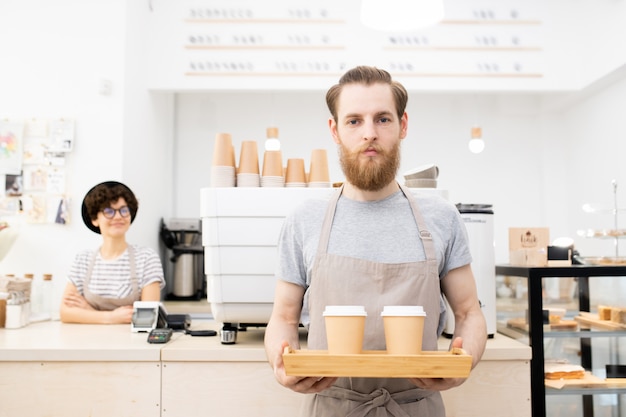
(184, 273)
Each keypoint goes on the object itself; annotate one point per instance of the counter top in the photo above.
(56, 341)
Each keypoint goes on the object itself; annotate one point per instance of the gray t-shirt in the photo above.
(380, 231)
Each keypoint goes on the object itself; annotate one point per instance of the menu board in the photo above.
(301, 44)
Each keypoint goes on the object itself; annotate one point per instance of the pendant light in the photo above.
(401, 15)
(272, 143)
(476, 143)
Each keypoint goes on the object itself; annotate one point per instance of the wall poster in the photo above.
(32, 164)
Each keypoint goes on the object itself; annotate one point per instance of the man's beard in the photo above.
(370, 174)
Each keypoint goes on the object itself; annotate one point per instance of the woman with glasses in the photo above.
(104, 283)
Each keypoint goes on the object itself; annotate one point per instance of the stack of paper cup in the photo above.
(319, 175)
(294, 174)
(248, 170)
(424, 176)
(272, 170)
(345, 329)
(404, 329)
(223, 168)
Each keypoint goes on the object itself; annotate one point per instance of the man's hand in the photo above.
(305, 385)
(440, 384)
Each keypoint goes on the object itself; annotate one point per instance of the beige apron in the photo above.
(106, 304)
(338, 280)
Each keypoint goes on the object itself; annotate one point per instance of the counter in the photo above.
(104, 370)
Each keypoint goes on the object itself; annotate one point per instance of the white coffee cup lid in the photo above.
(345, 311)
(403, 311)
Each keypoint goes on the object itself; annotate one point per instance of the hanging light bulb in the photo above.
(401, 15)
(476, 143)
(272, 143)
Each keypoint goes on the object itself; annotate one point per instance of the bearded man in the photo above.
(373, 244)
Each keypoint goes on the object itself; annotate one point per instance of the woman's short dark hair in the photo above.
(107, 193)
(367, 76)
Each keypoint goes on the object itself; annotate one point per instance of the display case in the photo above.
(523, 317)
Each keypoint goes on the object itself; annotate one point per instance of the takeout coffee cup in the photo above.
(345, 328)
(223, 150)
(318, 170)
(273, 164)
(404, 329)
(248, 158)
(294, 173)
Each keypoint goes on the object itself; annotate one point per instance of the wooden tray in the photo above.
(455, 363)
(589, 381)
(591, 319)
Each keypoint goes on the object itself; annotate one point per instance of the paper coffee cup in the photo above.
(404, 329)
(345, 329)
(273, 164)
(223, 151)
(295, 171)
(248, 158)
(318, 170)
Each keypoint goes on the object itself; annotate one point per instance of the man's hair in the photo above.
(367, 76)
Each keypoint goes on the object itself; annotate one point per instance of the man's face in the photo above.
(369, 134)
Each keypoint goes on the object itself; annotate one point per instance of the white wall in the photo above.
(54, 56)
(539, 166)
(543, 158)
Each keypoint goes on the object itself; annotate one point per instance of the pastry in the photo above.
(618, 315)
(564, 371)
(604, 312)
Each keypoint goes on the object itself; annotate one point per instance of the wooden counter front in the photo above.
(67, 370)
(77, 370)
(240, 380)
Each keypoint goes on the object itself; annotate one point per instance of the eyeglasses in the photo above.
(109, 212)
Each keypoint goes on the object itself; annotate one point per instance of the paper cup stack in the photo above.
(223, 168)
(319, 176)
(294, 173)
(424, 176)
(272, 169)
(248, 170)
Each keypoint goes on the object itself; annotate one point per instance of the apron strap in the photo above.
(425, 236)
(322, 246)
(133, 271)
(92, 261)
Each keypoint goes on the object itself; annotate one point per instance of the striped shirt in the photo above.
(111, 278)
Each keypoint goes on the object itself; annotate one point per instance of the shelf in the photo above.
(603, 233)
(590, 385)
(517, 332)
(585, 391)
